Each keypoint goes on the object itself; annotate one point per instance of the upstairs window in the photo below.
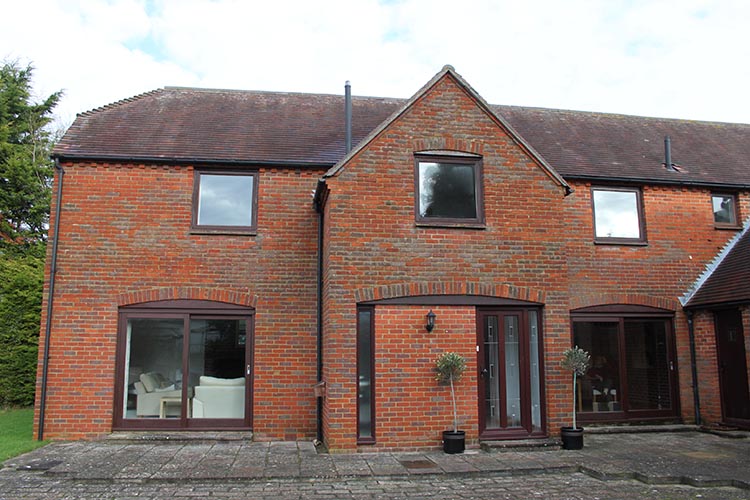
(725, 210)
(448, 191)
(618, 216)
(225, 201)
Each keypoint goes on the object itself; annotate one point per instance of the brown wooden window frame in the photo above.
(618, 240)
(473, 161)
(224, 229)
(733, 213)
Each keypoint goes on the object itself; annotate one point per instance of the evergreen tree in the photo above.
(25, 190)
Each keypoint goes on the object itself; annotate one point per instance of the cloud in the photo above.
(674, 58)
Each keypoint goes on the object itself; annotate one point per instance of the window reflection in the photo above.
(225, 200)
(616, 214)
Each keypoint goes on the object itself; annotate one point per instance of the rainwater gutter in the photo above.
(50, 298)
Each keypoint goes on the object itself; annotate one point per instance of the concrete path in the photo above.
(649, 465)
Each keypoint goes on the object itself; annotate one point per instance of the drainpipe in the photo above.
(694, 368)
(50, 297)
(319, 209)
(348, 115)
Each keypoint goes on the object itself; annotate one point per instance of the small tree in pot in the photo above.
(450, 366)
(575, 360)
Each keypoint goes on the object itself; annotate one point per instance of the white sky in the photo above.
(670, 58)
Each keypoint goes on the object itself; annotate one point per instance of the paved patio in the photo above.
(711, 462)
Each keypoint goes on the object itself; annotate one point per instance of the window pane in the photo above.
(598, 390)
(225, 200)
(536, 399)
(616, 214)
(364, 374)
(724, 210)
(217, 367)
(447, 190)
(647, 365)
(153, 368)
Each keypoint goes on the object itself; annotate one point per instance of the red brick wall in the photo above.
(372, 241)
(412, 409)
(125, 232)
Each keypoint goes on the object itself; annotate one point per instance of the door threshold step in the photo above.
(177, 436)
(548, 444)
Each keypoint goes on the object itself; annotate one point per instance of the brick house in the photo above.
(222, 260)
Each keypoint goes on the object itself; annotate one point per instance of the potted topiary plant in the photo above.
(450, 366)
(575, 360)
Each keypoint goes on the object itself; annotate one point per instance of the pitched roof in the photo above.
(186, 124)
(727, 279)
(200, 125)
(449, 71)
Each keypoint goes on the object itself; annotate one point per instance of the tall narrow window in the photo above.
(225, 201)
(448, 190)
(618, 217)
(365, 378)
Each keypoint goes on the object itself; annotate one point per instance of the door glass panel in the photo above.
(647, 365)
(598, 390)
(512, 372)
(492, 379)
(153, 368)
(534, 372)
(217, 368)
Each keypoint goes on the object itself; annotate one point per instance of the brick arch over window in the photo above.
(188, 293)
(447, 144)
(635, 299)
(504, 291)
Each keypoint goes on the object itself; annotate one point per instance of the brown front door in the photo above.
(730, 340)
(510, 373)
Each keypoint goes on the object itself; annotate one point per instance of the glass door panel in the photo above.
(491, 372)
(153, 368)
(535, 372)
(647, 365)
(512, 373)
(599, 390)
(217, 367)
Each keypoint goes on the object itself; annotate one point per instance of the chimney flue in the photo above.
(348, 117)
(668, 153)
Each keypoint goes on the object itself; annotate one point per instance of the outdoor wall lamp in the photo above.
(430, 321)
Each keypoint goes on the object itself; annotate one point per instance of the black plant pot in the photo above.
(572, 439)
(454, 441)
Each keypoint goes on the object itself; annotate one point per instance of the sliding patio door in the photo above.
(184, 368)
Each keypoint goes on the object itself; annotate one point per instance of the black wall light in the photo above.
(430, 321)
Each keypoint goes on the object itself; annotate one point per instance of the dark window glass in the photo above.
(725, 209)
(449, 191)
(617, 215)
(630, 366)
(365, 399)
(225, 200)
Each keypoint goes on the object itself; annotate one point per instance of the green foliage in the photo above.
(21, 282)
(16, 432)
(25, 191)
(576, 360)
(450, 366)
(25, 166)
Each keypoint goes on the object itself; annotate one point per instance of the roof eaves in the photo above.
(712, 266)
(188, 160)
(656, 181)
